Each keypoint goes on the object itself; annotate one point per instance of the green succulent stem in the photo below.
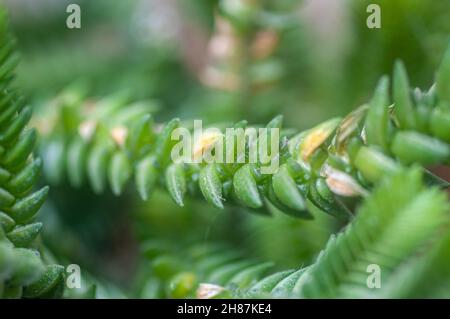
(323, 166)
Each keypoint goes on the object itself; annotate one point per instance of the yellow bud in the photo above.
(316, 137)
(119, 134)
(204, 143)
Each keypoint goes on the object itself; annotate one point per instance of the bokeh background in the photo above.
(216, 61)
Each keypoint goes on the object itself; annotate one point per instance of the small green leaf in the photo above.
(6, 222)
(22, 236)
(323, 190)
(146, 176)
(246, 188)
(211, 186)
(16, 126)
(276, 122)
(411, 147)
(4, 175)
(6, 198)
(97, 166)
(119, 171)
(373, 164)
(265, 286)
(54, 159)
(404, 108)
(440, 122)
(24, 209)
(286, 189)
(274, 203)
(47, 282)
(164, 140)
(321, 196)
(26, 178)
(14, 106)
(443, 77)
(8, 66)
(377, 119)
(287, 284)
(21, 150)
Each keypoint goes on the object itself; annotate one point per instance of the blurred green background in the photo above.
(217, 61)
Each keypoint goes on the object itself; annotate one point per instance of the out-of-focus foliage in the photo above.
(23, 273)
(389, 231)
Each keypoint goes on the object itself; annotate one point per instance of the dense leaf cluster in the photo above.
(390, 231)
(22, 272)
(326, 166)
(368, 168)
